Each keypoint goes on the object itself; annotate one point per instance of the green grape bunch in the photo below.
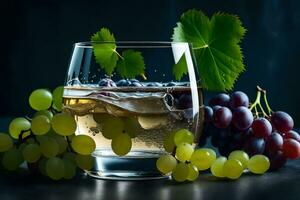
(47, 139)
(184, 162)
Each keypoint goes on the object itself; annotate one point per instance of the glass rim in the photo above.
(133, 44)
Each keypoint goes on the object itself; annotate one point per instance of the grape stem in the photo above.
(257, 103)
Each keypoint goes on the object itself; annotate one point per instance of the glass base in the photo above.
(137, 165)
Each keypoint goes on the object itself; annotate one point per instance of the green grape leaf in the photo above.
(131, 64)
(105, 53)
(216, 47)
(180, 68)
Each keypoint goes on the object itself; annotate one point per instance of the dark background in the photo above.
(37, 38)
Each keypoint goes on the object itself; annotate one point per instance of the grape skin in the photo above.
(40, 99)
(18, 125)
(83, 144)
(238, 99)
(233, 169)
(64, 124)
(208, 114)
(217, 167)
(6, 142)
(193, 172)
(169, 143)
(69, 169)
(255, 146)
(166, 163)
(12, 159)
(282, 121)
(112, 127)
(221, 99)
(121, 144)
(184, 152)
(291, 148)
(222, 117)
(183, 135)
(261, 127)
(242, 118)
(277, 160)
(258, 164)
(274, 143)
(85, 162)
(57, 95)
(55, 168)
(46, 113)
(180, 172)
(40, 125)
(49, 146)
(240, 156)
(31, 153)
(203, 158)
(292, 135)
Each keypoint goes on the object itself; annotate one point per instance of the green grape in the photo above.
(233, 169)
(18, 125)
(42, 166)
(241, 156)
(180, 172)
(112, 127)
(55, 168)
(184, 152)
(57, 95)
(183, 135)
(131, 126)
(46, 113)
(62, 143)
(49, 146)
(12, 159)
(166, 163)
(83, 144)
(121, 144)
(40, 125)
(6, 142)
(64, 124)
(40, 99)
(258, 164)
(101, 117)
(203, 158)
(85, 162)
(70, 156)
(193, 172)
(217, 167)
(69, 169)
(31, 153)
(30, 141)
(169, 143)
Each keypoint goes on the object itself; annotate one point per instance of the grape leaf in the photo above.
(180, 68)
(216, 46)
(104, 47)
(131, 64)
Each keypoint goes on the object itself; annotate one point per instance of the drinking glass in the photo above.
(146, 108)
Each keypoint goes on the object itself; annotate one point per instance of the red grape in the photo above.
(255, 146)
(291, 148)
(208, 114)
(261, 127)
(238, 99)
(242, 118)
(222, 117)
(274, 143)
(220, 99)
(293, 135)
(282, 121)
(277, 160)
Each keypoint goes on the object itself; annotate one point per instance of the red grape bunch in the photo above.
(235, 124)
